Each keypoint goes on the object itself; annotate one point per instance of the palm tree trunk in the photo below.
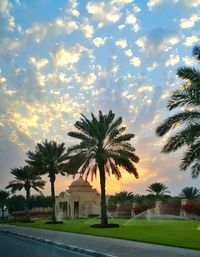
(52, 180)
(28, 202)
(2, 212)
(104, 218)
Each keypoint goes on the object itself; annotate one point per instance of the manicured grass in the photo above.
(165, 232)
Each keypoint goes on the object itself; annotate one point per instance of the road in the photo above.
(105, 245)
(11, 245)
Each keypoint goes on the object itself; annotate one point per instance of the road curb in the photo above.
(61, 245)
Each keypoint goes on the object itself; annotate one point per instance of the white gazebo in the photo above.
(80, 200)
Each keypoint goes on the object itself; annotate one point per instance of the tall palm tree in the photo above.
(103, 147)
(3, 198)
(187, 98)
(47, 159)
(190, 193)
(158, 189)
(26, 178)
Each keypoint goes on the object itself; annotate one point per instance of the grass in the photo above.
(174, 233)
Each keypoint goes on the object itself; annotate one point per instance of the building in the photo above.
(80, 200)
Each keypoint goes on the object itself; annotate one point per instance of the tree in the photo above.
(190, 193)
(103, 147)
(48, 159)
(187, 98)
(25, 178)
(3, 198)
(122, 197)
(158, 189)
(40, 201)
(16, 203)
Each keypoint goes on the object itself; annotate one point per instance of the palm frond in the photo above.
(184, 137)
(190, 74)
(196, 52)
(190, 97)
(177, 120)
(191, 155)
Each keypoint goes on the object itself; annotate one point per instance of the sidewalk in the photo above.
(117, 247)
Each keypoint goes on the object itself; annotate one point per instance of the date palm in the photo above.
(157, 189)
(25, 178)
(103, 148)
(47, 159)
(187, 99)
(3, 198)
(190, 193)
(123, 197)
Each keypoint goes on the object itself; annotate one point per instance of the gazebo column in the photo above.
(183, 213)
(157, 208)
(132, 210)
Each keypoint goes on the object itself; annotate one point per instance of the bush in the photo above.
(140, 209)
(192, 208)
(171, 206)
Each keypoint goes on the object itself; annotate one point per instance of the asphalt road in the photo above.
(14, 246)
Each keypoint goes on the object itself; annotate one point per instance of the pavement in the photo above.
(103, 245)
(22, 247)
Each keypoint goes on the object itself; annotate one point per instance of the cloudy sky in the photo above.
(62, 58)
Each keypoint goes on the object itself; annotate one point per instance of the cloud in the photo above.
(189, 41)
(152, 3)
(128, 52)
(156, 44)
(88, 30)
(173, 59)
(99, 41)
(9, 45)
(38, 63)
(190, 3)
(186, 23)
(41, 31)
(87, 80)
(63, 56)
(105, 12)
(67, 25)
(73, 8)
(132, 20)
(158, 39)
(53, 68)
(135, 61)
(38, 31)
(121, 43)
(189, 61)
(6, 19)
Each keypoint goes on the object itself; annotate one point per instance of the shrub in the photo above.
(192, 208)
(140, 209)
(171, 206)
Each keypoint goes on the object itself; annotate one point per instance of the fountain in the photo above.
(150, 214)
(154, 214)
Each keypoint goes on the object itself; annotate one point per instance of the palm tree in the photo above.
(188, 99)
(103, 147)
(123, 197)
(3, 198)
(190, 193)
(157, 189)
(47, 159)
(25, 178)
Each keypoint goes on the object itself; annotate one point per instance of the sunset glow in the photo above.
(62, 58)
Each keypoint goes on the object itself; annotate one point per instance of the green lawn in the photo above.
(174, 233)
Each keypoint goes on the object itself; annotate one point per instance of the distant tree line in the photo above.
(18, 202)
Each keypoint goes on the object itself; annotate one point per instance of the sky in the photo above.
(62, 58)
